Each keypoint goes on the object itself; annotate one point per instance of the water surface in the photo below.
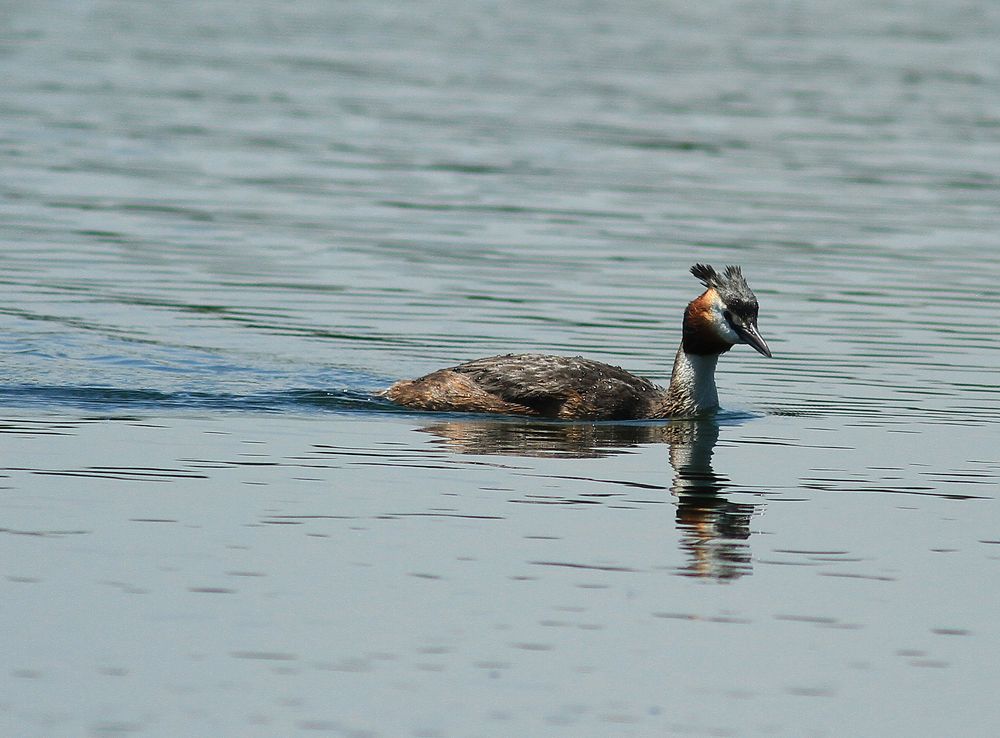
(227, 226)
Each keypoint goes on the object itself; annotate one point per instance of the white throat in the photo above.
(692, 388)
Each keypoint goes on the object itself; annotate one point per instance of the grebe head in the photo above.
(724, 315)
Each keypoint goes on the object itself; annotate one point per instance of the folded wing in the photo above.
(568, 386)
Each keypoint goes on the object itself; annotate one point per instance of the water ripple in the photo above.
(117, 399)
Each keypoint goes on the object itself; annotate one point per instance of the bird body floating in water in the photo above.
(572, 387)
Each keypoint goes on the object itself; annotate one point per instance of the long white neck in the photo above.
(692, 388)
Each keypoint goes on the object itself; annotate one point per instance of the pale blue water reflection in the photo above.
(282, 572)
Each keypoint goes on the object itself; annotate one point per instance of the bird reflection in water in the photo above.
(714, 529)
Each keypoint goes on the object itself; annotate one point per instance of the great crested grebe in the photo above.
(724, 315)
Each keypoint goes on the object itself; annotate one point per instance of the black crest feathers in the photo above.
(732, 276)
(731, 286)
(705, 274)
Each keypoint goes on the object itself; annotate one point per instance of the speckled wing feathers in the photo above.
(563, 386)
